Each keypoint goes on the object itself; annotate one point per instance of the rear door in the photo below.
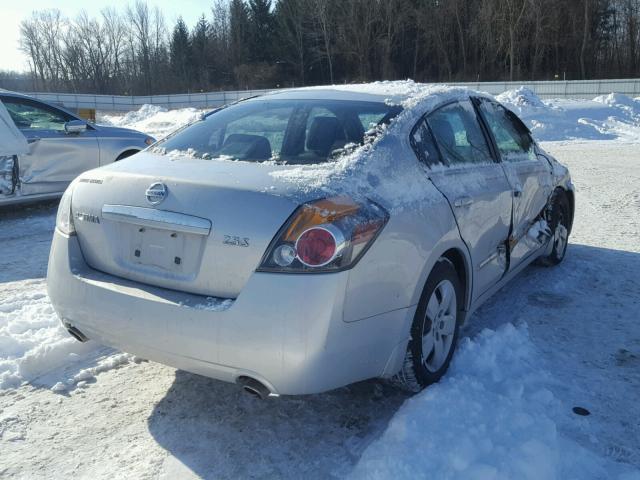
(529, 175)
(462, 167)
(55, 157)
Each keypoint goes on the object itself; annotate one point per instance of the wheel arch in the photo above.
(458, 254)
(127, 153)
(459, 261)
(570, 196)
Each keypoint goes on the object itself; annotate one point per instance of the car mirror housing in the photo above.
(75, 126)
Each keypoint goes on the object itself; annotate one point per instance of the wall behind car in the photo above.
(122, 103)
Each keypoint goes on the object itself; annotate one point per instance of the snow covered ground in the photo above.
(552, 340)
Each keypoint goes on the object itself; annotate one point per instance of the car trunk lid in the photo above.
(206, 236)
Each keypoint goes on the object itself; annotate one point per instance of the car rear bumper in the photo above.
(286, 331)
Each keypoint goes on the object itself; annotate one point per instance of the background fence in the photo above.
(123, 103)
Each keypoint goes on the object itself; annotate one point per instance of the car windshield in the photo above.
(284, 131)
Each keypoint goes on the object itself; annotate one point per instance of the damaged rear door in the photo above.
(528, 174)
(463, 169)
(55, 156)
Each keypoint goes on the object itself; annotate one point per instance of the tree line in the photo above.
(240, 44)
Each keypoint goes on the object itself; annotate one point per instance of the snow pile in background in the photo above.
(153, 119)
(608, 117)
(522, 98)
(491, 417)
(32, 340)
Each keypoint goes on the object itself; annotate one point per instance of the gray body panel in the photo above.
(480, 197)
(296, 333)
(208, 265)
(55, 157)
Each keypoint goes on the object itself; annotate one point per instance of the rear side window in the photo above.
(458, 135)
(513, 141)
(423, 144)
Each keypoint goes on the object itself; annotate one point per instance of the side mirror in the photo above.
(75, 126)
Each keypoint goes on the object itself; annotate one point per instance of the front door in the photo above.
(55, 157)
(528, 174)
(461, 166)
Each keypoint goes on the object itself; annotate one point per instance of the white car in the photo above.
(311, 238)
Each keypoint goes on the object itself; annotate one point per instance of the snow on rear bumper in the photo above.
(284, 330)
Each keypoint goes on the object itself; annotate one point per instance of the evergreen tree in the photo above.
(239, 32)
(180, 52)
(262, 31)
(199, 48)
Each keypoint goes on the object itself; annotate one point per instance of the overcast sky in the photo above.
(12, 12)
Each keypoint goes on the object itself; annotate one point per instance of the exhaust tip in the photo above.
(75, 333)
(254, 387)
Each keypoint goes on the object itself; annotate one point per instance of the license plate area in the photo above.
(154, 244)
(162, 249)
(158, 252)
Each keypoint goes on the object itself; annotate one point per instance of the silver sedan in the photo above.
(60, 147)
(307, 239)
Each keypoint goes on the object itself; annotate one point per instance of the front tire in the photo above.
(435, 329)
(559, 220)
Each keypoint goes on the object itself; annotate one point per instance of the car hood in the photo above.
(121, 130)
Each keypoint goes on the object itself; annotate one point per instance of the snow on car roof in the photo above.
(386, 169)
(401, 92)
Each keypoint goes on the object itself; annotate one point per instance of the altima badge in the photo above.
(156, 193)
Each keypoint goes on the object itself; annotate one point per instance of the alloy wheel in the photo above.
(439, 326)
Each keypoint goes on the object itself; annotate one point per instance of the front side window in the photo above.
(458, 134)
(513, 141)
(30, 115)
(286, 131)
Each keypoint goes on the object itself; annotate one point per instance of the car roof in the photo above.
(404, 92)
(9, 93)
(326, 93)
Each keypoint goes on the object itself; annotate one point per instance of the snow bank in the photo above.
(491, 417)
(87, 375)
(153, 119)
(608, 117)
(32, 340)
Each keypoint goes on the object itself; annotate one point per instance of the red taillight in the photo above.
(316, 247)
(325, 235)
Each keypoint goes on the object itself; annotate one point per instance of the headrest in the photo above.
(322, 134)
(246, 147)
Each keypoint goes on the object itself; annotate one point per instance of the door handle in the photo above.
(462, 202)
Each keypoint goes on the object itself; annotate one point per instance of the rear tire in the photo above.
(559, 220)
(435, 329)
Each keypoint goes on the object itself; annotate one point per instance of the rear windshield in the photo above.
(283, 131)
